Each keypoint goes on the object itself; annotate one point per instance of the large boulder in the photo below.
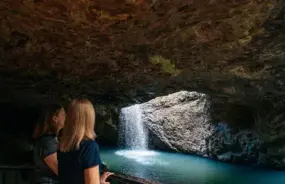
(182, 122)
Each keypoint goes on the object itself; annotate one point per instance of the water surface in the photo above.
(175, 168)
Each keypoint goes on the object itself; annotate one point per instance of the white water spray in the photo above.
(132, 134)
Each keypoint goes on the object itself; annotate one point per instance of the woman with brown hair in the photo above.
(78, 155)
(45, 152)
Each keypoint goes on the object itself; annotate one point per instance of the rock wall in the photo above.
(182, 122)
(271, 126)
(106, 126)
(243, 146)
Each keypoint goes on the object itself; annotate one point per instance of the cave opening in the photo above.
(178, 122)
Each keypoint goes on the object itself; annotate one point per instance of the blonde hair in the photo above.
(79, 125)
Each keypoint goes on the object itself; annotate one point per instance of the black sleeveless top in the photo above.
(44, 146)
(71, 165)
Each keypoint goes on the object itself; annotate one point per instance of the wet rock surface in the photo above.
(107, 124)
(182, 122)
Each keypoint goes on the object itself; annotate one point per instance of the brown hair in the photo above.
(45, 122)
(79, 125)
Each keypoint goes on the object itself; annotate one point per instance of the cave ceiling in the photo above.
(134, 50)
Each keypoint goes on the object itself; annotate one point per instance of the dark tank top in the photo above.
(44, 146)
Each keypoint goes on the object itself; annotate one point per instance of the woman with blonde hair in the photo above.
(45, 151)
(78, 155)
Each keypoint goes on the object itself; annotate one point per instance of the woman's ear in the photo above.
(54, 118)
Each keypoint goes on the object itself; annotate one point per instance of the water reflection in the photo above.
(136, 160)
(173, 168)
(143, 157)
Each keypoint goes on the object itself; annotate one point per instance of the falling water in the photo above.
(132, 134)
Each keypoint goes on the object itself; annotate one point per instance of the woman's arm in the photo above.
(91, 175)
(51, 161)
(49, 152)
(90, 159)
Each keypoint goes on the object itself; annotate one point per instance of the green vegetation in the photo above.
(166, 65)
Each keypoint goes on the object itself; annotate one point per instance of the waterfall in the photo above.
(132, 133)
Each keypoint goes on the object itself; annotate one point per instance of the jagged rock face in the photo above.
(182, 122)
(243, 146)
(107, 123)
(271, 125)
(135, 50)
